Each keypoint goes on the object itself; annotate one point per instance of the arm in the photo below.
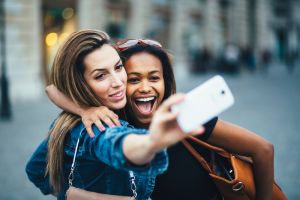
(244, 142)
(36, 168)
(89, 116)
(116, 146)
(164, 132)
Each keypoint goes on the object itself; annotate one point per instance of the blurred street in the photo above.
(249, 43)
(266, 103)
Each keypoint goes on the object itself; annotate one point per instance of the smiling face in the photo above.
(106, 77)
(145, 86)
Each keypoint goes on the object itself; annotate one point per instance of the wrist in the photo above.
(80, 111)
(138, 149)
(152, 144)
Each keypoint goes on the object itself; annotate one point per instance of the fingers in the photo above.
(90, 131)
(98, 116)
(170, 116)
(174, 99)
(109, 117)
(99, 124)
(115, 119)
(107, 120)
(110, 120)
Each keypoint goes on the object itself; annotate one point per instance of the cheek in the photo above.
(124, 77)
(100, 89)
(161, 89)
(129, 91)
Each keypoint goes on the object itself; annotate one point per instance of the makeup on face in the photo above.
(105, 74)
(145, 85)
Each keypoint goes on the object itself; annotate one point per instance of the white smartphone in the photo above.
(203, 103)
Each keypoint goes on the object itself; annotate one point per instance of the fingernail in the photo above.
(201, 130)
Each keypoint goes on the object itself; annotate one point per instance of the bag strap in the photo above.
(218, 150)
(198, 155)
(71, 175)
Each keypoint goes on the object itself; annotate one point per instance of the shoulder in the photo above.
(209, 128)
(124, 129)
(126, 124)
(80, 131)
(73, 135)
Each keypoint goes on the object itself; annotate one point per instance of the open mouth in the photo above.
(145, 105)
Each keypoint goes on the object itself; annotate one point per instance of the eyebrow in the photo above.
(137, 73)
(103, 69)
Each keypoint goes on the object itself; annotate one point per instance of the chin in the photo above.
(118, 106)
(144, 121)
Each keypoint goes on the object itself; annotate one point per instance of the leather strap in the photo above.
(198, 155)
(71, 175)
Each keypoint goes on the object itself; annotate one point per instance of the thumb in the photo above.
(170, 117)
(197, 131)
(172, 100)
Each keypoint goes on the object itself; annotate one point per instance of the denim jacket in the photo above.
(100, 163)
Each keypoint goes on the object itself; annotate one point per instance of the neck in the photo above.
(141, 125)
(121, 113)
(138, 124)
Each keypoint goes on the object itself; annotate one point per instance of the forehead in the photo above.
(143, 63)
(103, 57)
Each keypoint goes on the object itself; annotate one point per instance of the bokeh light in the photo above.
(68, 13)
(51, 39)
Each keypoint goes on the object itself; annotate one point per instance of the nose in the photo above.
(116, 80)
(145, 87)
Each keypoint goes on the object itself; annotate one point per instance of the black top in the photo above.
(185, 177)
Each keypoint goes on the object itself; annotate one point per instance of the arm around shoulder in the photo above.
(89, 115)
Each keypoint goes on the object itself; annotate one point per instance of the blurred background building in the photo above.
(254, 44)
(203, 35)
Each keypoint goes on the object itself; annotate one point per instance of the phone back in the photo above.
(203, 103)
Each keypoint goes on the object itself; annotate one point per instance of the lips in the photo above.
(145, 105)
(117, 96)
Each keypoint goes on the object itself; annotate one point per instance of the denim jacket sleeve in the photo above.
(106, 147)
(36, 168)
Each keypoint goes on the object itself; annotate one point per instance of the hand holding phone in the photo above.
(203, 103)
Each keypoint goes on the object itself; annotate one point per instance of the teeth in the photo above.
(145, 99)
(117, 94)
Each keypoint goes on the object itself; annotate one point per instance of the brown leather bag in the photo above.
(232, 174)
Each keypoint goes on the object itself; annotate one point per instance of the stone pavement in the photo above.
(267, 104)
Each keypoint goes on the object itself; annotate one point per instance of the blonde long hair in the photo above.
(67, 75)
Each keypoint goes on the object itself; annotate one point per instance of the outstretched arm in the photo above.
(244, 142)
(163, 132)
(90, 116)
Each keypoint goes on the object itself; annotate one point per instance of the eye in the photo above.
(119, 67)
(100, 77)
(133, 80)
(154, 78)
